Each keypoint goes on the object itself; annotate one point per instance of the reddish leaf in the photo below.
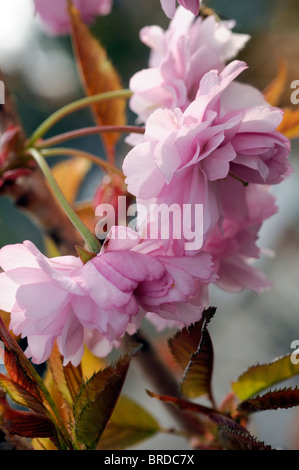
(282, 398)
(98, 76)
(57, 370)
(11, 142)
(232, 435)
(184, 404)
(193, 349)
(74, 379)
(233, 438)
(18, 366)
(24, 424)
(185, 343)
(21, 396)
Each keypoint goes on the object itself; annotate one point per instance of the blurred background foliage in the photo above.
(42, 75)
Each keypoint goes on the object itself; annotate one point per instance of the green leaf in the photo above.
(263, 376)
(193, 349)
(96, 401)
(84, 255)
(129, 425)
(282, 398)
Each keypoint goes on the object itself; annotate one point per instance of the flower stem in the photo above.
(80, 153)
(72, 107)
(86, 132)
(91, 241)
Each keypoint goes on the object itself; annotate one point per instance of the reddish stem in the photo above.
(86, 132)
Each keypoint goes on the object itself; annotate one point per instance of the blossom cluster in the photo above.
(210, 140)
(94, 303)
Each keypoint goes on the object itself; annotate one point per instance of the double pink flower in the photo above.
(98, 302)
(184, 155)
(179, 58)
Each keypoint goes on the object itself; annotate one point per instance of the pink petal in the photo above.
(41, 300)
(168, 7)
(13, 256)
(71, 341)
(39, 348)
(8, 290)
(236, 275)
(142, 173)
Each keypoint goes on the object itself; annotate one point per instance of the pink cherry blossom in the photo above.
(169, 6)
(178, 296)
(234, 246)
(184, 155)
(96, 303)
(54, 13)
(62, 299)
(179, 58)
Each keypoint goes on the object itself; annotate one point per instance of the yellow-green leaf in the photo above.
(90, 364)
(263, 376)
(129, 425)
